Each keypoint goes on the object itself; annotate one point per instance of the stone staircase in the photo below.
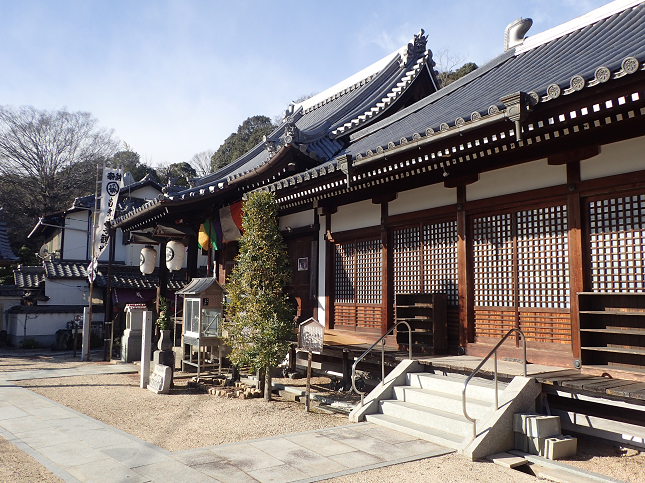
(429, 406)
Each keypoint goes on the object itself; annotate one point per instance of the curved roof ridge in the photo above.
(406, 79)
(433, 97)
(347, 85)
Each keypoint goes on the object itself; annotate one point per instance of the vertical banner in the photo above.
(108, 194)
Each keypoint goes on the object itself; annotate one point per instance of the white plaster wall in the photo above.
(616, 158)
(296, 220)
(322, 253)
(76, 230)
(423, 198)
(68, 292)
(515, 179)
(41, 327)
(356, 215)
(147, 193)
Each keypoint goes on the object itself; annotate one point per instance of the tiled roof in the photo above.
(50, 309)
(5, 248)
(28, 277)
(607, 49)
(315, 125)
(70, 270)
(122, 276)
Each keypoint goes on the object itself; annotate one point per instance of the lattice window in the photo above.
(345, 273)
(406, 260)
(542, 258)
(440, 259)
(368, 272)
(617, 237)
(493, 261)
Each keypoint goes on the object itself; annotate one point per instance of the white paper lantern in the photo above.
(147, 260)
(175, 252)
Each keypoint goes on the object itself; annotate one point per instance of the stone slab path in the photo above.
(78, 448)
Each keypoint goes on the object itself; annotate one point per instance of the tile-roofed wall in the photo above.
(28, 277)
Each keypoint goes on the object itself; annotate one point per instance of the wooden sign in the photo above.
(311, 334)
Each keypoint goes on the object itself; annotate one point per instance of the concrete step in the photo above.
(429, 417)
(480, 389)
(450, 403)
(423, 432)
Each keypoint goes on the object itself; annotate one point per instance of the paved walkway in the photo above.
(78, 448)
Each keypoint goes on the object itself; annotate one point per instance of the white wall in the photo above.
(322, 253)
(423, 198)
(356, 215)
(617, 158)
(76, 229)
(147, 193)
(68, 292)
(41, 327)
(516, 179)
(296, 220)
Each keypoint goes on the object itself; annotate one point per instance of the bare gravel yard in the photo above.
(188, 419)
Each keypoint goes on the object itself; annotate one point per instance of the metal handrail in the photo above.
(481, 364)
(382, 341)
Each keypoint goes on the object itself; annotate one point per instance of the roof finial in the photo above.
(515, 31)
(416, 47)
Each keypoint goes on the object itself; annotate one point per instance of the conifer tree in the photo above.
(260, 320)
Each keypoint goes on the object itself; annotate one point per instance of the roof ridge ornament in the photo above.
(515, 32)
(415, 48)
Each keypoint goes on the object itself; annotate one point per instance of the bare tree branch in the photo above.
(202, 162)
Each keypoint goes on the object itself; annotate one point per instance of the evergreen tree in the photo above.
(248, 135)
(260, 320)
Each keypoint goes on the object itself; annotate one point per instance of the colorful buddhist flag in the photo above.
(207, 233)
(231, 220)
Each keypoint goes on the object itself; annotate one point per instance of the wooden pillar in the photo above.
(387, 292)
(576, 272)
(462, 271)
(191, 263)
(572, 159)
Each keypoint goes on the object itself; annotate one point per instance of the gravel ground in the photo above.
(188, 419)
(18, 467)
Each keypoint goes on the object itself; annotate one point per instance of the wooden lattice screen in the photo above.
(424, 261)
(358, 285)
(617, 244)
(521, 274)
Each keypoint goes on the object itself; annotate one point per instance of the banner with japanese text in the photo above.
(108, 196)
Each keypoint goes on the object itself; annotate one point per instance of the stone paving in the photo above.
(78, 448)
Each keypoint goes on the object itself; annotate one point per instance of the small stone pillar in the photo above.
(146, 343)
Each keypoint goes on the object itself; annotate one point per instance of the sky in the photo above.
(175, 78)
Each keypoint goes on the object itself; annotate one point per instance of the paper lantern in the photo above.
(147, 260)
(175, 252)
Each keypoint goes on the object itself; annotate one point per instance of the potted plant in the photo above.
(163, 322)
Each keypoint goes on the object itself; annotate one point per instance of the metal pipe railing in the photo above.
(382, 342)
(481, 364)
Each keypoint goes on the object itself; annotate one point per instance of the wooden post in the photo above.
(576, 273)
(462, 268)
(308, 389)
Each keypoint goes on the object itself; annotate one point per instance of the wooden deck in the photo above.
(573, 379)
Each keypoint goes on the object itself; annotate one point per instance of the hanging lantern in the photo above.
(175, 255)
(147, 260)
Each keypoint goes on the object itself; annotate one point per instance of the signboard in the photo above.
(311, 334)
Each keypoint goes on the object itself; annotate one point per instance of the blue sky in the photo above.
(174, 78)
